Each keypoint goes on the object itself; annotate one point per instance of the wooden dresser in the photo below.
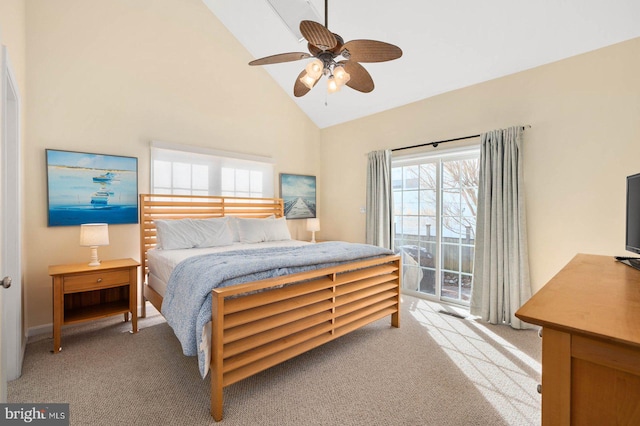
(590, 318)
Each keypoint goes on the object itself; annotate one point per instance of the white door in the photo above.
(12, 336)
(3, 362)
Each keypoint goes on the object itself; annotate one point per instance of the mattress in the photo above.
(162, 262)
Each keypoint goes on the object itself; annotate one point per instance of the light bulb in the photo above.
(332, 85)
(341, 76)
(314, 68)
(308, 80)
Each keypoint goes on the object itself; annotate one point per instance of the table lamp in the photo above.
(93, 235)
(313, 225)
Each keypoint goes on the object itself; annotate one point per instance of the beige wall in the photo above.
(13, 35)
(585, 139)
(110, 76)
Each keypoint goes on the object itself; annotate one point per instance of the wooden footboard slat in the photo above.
(283, 304)
(274, 321)
(385, 289)
(275, 295)
(366, 283)
(255, 355)
(259, 339)
(361, 322)
(354, 314)
(275, 359)
(362, 303)
(361, 274)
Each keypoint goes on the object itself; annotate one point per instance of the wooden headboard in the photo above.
(161, 206)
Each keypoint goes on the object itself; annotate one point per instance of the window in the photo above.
(186, 170)
(435, 200)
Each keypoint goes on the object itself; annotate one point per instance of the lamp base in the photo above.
(94, 256)
(313, 236)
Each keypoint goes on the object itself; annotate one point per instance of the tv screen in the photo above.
(633, 213)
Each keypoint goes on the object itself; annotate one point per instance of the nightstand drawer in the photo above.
(95, 280)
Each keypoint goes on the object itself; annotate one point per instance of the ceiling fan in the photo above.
(338, 60)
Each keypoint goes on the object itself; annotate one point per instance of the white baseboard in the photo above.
(39, 330)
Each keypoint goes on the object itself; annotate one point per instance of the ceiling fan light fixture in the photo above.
(308, 80)
(315, 68)
(341, 76)
(332, 84)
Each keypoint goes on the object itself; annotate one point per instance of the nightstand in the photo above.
(83, 293)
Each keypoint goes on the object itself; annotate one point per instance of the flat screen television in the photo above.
(633, 214)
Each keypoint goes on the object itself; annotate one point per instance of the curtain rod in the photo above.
(436, 143)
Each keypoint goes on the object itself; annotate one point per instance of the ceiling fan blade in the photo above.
(281, 57)
(339, 44)
(299, 89)
(318, 35)
(360, 78)
(370, 51)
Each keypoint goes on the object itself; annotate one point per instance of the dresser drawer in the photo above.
(95, 280)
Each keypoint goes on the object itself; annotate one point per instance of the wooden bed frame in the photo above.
(253, 331)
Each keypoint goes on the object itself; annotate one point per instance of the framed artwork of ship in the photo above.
(91, 188)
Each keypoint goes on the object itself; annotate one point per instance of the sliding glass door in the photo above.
(435, 199)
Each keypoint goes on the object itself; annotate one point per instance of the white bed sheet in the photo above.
(162, 262)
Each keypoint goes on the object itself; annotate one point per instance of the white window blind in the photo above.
(188, 170)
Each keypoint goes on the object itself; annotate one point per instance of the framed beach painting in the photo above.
(91, 188)
(299, 195)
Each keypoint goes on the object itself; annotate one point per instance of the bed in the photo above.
(257, 324)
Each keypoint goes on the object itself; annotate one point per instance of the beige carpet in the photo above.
(435, 369)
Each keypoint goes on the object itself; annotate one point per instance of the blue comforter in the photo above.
(187, 300)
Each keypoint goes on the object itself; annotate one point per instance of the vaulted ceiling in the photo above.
(446, 45)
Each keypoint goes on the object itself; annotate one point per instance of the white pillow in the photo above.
(172, 234)
(277, 230)
(233, 224)
(251, 230)
(260, 230)
(192, 233)
(213, 232)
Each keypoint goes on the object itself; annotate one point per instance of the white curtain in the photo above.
(379, 202)
(501, 281)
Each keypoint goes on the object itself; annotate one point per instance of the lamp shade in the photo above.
(308, 80)
(332, 84)
(94, 234)
(314, 68)
(313, 224)
(342, 77)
